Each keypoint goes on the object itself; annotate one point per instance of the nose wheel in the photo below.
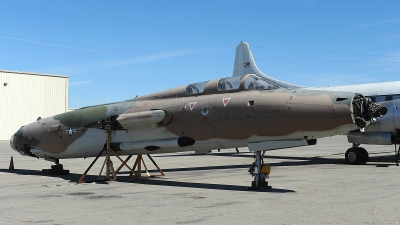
(356, 155)
(260, 172)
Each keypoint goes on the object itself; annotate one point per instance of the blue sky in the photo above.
(115, 50)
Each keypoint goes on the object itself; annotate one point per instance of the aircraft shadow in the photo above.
(378, 161)
(160, 182)
(73, 177)
(374, 160)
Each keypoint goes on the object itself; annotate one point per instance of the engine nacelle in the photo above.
(364, 111)
(390, 122)
(385, 131)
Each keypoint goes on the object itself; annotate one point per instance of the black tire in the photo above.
(364, 154)
(353, 156)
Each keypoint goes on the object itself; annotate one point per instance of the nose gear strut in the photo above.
(397, 154)
(260, 172)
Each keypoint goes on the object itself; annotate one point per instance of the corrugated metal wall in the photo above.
(25, 96)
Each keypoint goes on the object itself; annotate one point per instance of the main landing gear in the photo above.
(56, 169)
(260, 172)
(356, 155)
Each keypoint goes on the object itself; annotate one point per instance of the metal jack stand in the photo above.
(138, 162)
(107, 162)
(111, 173)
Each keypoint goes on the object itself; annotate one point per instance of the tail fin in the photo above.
(245, 64)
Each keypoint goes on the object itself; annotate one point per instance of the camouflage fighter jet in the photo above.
(240, 111)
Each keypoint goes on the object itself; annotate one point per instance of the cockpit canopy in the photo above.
(256, 83)
(246, 82)
(230, 83)
(196, 88)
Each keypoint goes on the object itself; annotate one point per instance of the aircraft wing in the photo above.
(279, 144)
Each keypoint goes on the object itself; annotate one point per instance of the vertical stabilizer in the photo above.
(244, 61)
(245, 64)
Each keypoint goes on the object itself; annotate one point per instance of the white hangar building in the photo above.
(26, 96)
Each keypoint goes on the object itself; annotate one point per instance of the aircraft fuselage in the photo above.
(175, 122)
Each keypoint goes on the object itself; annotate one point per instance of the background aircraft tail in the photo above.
(245, 64)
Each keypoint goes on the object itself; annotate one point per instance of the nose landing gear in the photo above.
(260, 172)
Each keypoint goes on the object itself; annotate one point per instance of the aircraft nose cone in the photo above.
(16, 141)
(12, 142)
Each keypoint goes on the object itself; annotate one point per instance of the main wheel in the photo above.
(364, 154)
(353, 156)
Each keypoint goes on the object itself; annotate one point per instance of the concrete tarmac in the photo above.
(310, 185)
